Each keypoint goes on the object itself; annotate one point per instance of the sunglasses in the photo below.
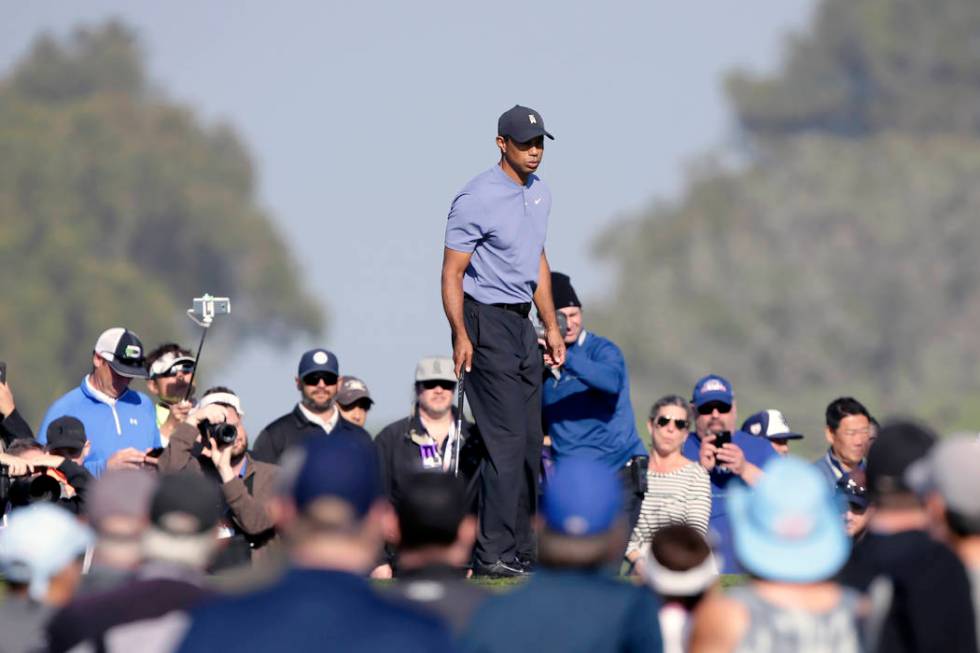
(681, 424)
(360, 403)
(187, 368)
(316, 377)
(431, 385)
(711, 406)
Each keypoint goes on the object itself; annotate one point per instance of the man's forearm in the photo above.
(452, 300)
(542, 296)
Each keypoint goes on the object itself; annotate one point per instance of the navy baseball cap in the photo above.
(124, 352)
(341, 466)
(521, 124)
(318, 360)
(712, 388)
(66, 432)
(770, 424)
(583, 497)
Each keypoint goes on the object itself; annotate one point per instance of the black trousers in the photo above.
(504, 391)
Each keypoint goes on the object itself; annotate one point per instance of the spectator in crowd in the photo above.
(332, 515)
(586, 401)
(177, 546)
(66, 438)
(573, 602)
(949, 481)
(789, 536)
(680, 569)
(849, 434)
(315, 414)
(435, 542)
(200, 445)
(118, 509)
(354, 400)
(771, 425)
(51, 477)
(120, 422)
(171, 368)
(422, 440)
(738, 460)
(41, 553)
(919, 589)
(853, 493)
(12, 425)
(678, 489)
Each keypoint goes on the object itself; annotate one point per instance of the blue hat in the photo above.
(770, 424)
(788, 526)
(318, 360)
(583, 497)
(341, 466)
(712, 388)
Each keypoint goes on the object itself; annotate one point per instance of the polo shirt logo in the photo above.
(133, 422)
(531, 117)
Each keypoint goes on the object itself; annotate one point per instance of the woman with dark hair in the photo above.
(678, 489)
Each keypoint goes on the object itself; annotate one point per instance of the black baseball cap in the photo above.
(430, 510)
(898, 446)
(123, 350)
(521, 124)
(185, 504)
(66, 432)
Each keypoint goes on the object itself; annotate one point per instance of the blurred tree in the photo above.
(840, 257)
(116, 207)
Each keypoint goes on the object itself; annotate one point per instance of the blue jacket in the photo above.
(757, 451)
(567, 610)
(313, 610)
(131, 422)
(587, 410)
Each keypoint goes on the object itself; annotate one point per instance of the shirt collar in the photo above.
(98, 395)
(327, 425)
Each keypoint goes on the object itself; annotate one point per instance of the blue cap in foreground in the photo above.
(788, 527)
(584, 497)
(340, 466)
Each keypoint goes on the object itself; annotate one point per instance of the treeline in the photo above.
(840, 256)
(117, 205)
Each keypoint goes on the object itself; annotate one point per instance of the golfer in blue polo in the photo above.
(494, 267)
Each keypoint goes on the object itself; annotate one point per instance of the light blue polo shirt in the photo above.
(503, 225)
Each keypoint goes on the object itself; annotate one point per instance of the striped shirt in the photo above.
(682, 496)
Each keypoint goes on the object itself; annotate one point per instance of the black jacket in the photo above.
(292, 428)
(400, 456)
(13, 427)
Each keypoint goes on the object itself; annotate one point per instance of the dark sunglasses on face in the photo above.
(179, 369)
(360, 403)
(316, 377)
(431, 385)
(681, 424)
(711, 406)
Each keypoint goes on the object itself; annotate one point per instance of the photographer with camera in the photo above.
(213, 441)
(55, 475)
(586, 402)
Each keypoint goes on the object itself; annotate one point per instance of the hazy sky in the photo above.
(365, 118)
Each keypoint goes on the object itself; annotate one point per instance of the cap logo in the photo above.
(321, 358)
(532, 119)
(713, 385)
(755, 429)
(354, 384)
(576, 525)
(437, 367)
(793, 527)
(132, 351)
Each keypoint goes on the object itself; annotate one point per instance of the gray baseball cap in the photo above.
(435, 368)
(351, 390)
(951, 470)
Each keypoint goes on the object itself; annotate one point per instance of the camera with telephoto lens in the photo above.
(223, 433)
(26, 490)
(539, 329)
